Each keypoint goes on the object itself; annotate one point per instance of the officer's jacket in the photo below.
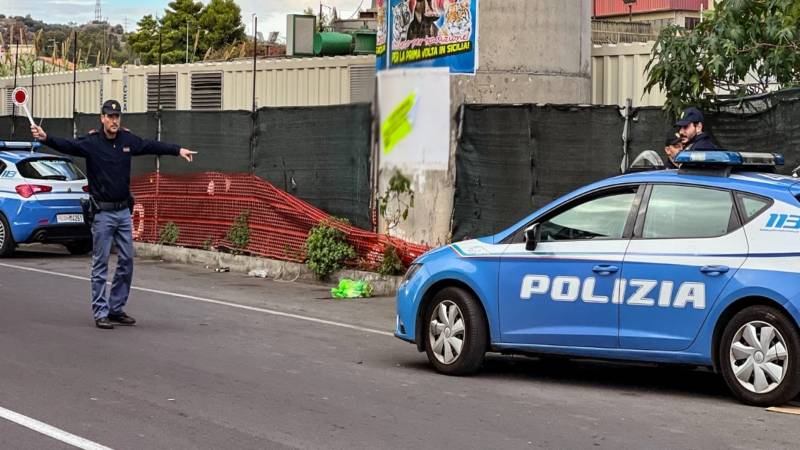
(108, 161)
(700, 142)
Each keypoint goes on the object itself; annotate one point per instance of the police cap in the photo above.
(111, 107)
(673, 137)
(690, 115)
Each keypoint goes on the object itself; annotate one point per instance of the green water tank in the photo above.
(330, 43)
(365, 42)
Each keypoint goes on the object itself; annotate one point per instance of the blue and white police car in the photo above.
(40, 199)
(696, 266)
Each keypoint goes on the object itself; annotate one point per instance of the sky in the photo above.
(271, 13)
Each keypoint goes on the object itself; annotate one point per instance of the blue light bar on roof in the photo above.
(701, 158)
(19, 145)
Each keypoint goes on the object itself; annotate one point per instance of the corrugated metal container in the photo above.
(605, 8)
(618, 74)
(279, 82)
(52, 93)
(218, 85)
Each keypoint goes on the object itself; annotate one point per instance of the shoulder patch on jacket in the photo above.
(93, 131)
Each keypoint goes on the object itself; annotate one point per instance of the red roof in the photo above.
(605, 8)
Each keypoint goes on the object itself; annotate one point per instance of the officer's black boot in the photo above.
(104, 323)
(121, 319)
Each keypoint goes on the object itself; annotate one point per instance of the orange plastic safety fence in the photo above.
(205, 206)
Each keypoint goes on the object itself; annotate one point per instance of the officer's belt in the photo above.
(112, 206)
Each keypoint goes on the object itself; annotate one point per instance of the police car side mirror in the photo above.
(532, 237)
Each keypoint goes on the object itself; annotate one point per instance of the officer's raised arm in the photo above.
(65, 146)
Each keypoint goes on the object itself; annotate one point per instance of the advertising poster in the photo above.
(382, 36)
(414, 107)
(434, 33)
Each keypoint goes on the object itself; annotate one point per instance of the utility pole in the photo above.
(630, 8)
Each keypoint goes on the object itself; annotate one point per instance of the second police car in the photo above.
(697, 266)
(40, 199)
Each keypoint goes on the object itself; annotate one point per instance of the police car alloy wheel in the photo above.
(456, 335)
(7, 244)
(447, 332)
(759, 356)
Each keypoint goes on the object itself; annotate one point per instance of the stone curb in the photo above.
(271, 268)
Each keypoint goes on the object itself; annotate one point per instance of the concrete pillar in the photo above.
(530, 51)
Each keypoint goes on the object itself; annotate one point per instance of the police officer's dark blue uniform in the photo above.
(701, 140)
(108, 164)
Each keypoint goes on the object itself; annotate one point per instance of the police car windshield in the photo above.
(50, 169)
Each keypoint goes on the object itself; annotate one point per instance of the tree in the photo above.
(99, 45)
(741, 47)
(222, 22)
(176, 17)
(145, 41)
(217, 25)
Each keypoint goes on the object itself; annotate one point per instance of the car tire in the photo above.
(455, 332)
(79, 247)
(759, 356)
(7, 244)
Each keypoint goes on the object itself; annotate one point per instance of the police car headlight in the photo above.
(412, 270)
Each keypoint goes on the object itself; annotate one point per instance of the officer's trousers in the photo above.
(108, 226)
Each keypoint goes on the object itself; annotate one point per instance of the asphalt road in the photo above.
(217, 366)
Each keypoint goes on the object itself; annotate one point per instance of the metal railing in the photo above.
(608, 32)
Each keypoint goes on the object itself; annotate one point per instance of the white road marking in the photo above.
(51, 431)
(217, 302)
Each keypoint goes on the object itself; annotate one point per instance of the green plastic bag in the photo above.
(351, 289)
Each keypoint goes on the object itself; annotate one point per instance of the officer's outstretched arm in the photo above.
(148, 147)
(65, 146)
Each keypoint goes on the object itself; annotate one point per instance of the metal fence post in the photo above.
(626, 134)
(74, 83)
(254, 112)
(14, 108)
(33, 83)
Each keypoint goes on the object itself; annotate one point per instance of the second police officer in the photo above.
(691, 129)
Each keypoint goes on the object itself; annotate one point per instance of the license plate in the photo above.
(69, 218)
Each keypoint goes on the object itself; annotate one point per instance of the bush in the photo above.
(326, 250)
(391, 263)
(239, 234)
(395, 204)
(169, 234)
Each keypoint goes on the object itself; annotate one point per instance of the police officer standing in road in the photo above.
(108, 156)
(691, 130)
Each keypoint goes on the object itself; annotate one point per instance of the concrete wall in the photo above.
(530, 51)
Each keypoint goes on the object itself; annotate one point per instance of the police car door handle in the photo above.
(604, 269)
(714, 270)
